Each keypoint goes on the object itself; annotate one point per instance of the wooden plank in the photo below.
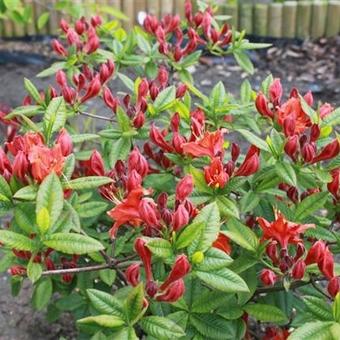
(128, 10)
(54, 19)
(39, 9)
(289, 19)
(166, 7)
(179, 8)
(275, 20)
(303, 19)
(260, 19)
(153, 7)
(319, 15)
(232, 10)
(333, 19)
(246, 17)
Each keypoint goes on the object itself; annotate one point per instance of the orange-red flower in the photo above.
(292, 109)
(210, 145)
(281, 230)
(215, 175)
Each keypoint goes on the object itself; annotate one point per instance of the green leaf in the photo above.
(266, 313)
(120, 150)
(127, 333)
(310, 204)
(246, 91)
(209, 301)
(244, 61)
(160, 247)
(43, 220)
(165, 98)
(90, 182)
(73, 243)
(314, 330)
(108, 276)
(189, 234)
(54, 68)
(32, 90)
(28, 110)
(224, 280)
(134, 303)
(108, 321)
(16, 241)
(286, 172)
(105, 303)
(336, 308)
(83, 137)
(318, 307)
(161, 328)
(126, 81)
(241, 234)
(253, 139)
(227, 207)
(51, 196)
(214, 259)
(217, 95)
(210, 217)
(5, 189)
(55, 116)
(43, 19)
(42, 293)
(34, 270)
(28, 193)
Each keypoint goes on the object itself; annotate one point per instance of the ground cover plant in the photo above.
(186, 214)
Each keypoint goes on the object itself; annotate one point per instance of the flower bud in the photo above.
(315, 252)
(229, 168)
(80, 26)
(299, 270)
(197, 257)
(262, 107)
(96, 164)
(69, 94)
(333, 286)
(235, 152)
(143, 88)
(180, 218)
(92, 44)
(72, 37)
(251, 163)
(275, 92)
(330, 151)
(308, 152)
(163, 76)
(325, 110)
(20, 166)
(145, 255)
(268, 277)
(334, 186)
(291, 146)
(61, 78)
(181, 90)
(64, 25)
(315, 132)
(172, 293)
(162, 200)
(96, 21)
(134, 180)
(139, 120)
(132, 274)
(308, 97)
(92, 90)
(180, 268)
(17, 270)
(271, 251)
(293, 194)
(289, 126)
(148, 213)
(175, 122)
(184, 188)
(138, 162)
(65, 141)
(59, 48)
(154, 91)
(326, 264)
(109, 99)
(151, 288)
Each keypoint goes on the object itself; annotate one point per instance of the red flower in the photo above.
(184, 188)
(268, 277)
(145, 255)
(127, 211)
(330, 151)
(222, 243)
(132, 274)
(315, 253)
(326, 263)
(282, 231)
(172, 293)
(65, 141)
(210, 145)
(333, 286)
(293, 109)
(251, 163)
(215, 175)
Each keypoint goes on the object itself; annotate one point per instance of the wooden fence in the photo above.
(290, 19)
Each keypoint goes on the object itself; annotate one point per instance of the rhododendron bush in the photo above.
(184, 215)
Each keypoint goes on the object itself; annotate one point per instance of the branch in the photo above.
(91, 115)
(78, 270)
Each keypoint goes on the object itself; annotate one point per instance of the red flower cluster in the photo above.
(82, 37)
(172, 287)
(175, 44)
(33, 159)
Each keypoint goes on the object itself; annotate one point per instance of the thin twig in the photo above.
(77, 270)
(312, 281)
(91, 115)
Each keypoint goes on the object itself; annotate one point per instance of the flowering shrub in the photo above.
(159, 224)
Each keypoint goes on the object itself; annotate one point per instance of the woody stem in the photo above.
(77, 270)
(91, 115)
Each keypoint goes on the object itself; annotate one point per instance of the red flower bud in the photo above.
(132, 274)
(172, 293)
(151, 288)
(92, 90)
(92, 44)
(180, 268)
(334, 185)
(326, 264)
(96, 21)
(180, 218)
(235, 152)
(72, 37)
(61, 78)
(69, 94)
(65, 141)
(325, 110)
(139, 120)
(308, 97)
(291, 147)
(143, 88)
(299, 270)
(184, 188)
(308, 152)
(275, 92)
(109, 99)
(333, 286)
(175, 122)
(268, 277)
(145, 255)
(59, 48)
(289, 126)
(154, 91)
(330, 151)
(138, 162)
(251, 163)
(315, 252)
(17, 270)
(262, 107)
(133, 181)
(188, 10)
(163, 76)
(96, 165)
(181, 90)
(5, 165)
(49, 264)
(315, 132)
(20, 166)
(271, 251)
(64, 25)
(80, 26)
(148, 213)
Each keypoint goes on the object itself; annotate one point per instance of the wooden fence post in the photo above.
(153, 7)
(166, 7)
(246, 18)
(260, 19)
(333, 19)
(275, 20)
(179, 8)
(232, 10)
(304, 12)
(289, 19)
(318, 23)
(128, 10)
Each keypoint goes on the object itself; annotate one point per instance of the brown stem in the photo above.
(77, 270)
(91, 115)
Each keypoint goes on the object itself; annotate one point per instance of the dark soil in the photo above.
(314, 66)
